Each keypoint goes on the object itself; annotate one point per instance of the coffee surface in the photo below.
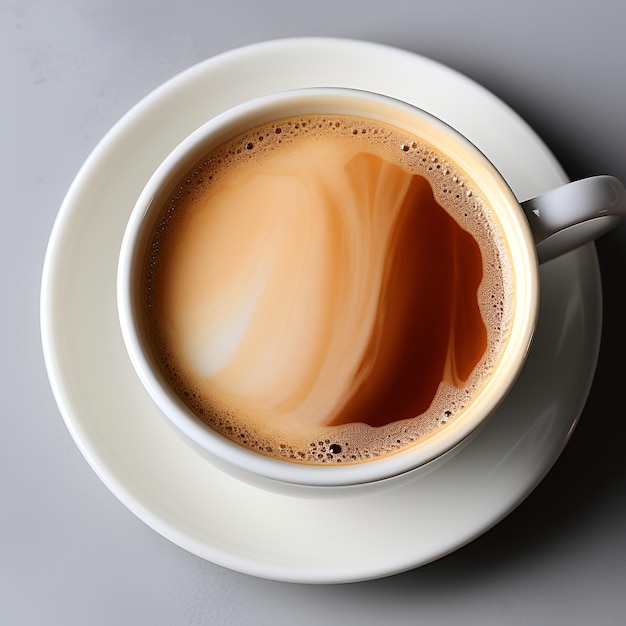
(326, 289)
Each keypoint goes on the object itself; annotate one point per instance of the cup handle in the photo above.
(569, 216)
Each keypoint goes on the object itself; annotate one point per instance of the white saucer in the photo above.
(181, 496)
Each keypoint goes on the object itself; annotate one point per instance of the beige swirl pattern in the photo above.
(324, 290)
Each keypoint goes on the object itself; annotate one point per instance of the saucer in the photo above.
(177, 493)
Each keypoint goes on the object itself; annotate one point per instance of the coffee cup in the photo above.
(329, 290)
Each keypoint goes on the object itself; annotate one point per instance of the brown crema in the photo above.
(327, 289)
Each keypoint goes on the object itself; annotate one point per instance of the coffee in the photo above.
(326, 289)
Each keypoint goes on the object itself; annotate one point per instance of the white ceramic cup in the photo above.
(535, 230)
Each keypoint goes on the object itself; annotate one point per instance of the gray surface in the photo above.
(70, 553)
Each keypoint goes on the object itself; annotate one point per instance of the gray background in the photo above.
(70, 553)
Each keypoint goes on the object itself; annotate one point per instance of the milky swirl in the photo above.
(320, 288)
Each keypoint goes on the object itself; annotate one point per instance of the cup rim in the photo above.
(248, 463)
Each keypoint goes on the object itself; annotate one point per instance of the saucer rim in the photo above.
(52, 356)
